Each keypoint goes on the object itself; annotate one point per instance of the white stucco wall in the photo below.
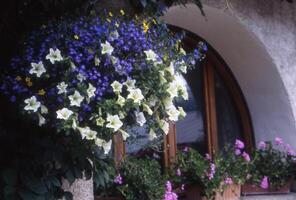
(260, 48)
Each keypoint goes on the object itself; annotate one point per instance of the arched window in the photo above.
(217, 113)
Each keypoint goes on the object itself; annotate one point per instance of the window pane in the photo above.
(228, 119)
(191, 130)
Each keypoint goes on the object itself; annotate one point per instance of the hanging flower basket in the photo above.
(251, 189)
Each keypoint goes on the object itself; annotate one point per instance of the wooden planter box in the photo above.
(249, 189)
(232, 192)
(109, 198)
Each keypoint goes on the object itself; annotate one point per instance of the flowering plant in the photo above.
(273, 164)
(95, 77)
(212, 173)
(136, 178)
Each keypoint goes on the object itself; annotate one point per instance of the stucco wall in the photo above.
(274, 23)
(259, 47)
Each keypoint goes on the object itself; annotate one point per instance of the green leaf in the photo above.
(27, 195)
(55, 181)
(70, 176)
(37, 186)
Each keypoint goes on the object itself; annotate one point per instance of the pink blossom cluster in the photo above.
(212, 171)
(279, 142)
(118, 179)
(169, 193)
(264, 183)
(239, 150)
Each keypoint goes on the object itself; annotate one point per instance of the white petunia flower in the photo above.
(41, 120)
(182, 112)
(37, 68)
(147, 109)
(164, 126)
(120, 101)
(81, 77)
(64, 113)
(173, 89)
(32, 104)
(91, 91)
(107, 48)
(171, 69)
(173, 113)
(183, 67)
(105, 145)
(100, 121)
(44, 109)
(62, 87)
(140, 118)
(135, 95)
(130, 84)
(182, 51)
(152, 134)
(168, 102)
(114, 122)
(116, 86)
(54, 55)
(151, 55)
(124, 134)
(87, 133)
(97, 61)
(76, 99)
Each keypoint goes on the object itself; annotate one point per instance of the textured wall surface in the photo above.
(81, 189)
(274, 23)
(256, 51)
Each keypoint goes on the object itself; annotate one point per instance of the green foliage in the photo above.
(141, 179)
(273, 163)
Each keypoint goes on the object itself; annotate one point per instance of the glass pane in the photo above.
(228, 119)
(191, 130)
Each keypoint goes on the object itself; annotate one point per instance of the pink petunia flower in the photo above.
(278, 141)
(262, 145)
(169, 194)
(239, 144)
(264, 183)
(237, 152)
(246, 156)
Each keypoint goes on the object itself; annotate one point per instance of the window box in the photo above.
(249, 189)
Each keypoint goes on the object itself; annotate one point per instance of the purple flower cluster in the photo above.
(212, 171)
(169, 193)
(239, 150)
(118, 179)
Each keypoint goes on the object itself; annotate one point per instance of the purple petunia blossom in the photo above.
(262, 145)
(278, 141)
(118, 179)
(239, 144)
(208, 156)
(264, 183)
(246, 156)
(212, 171)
